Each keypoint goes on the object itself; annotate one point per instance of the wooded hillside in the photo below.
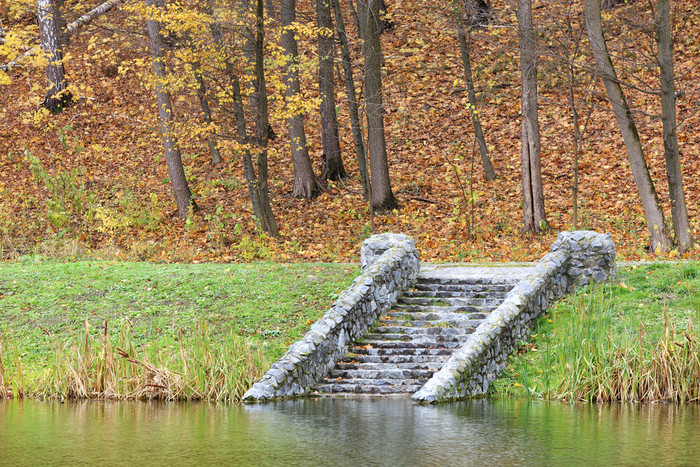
(92, 179)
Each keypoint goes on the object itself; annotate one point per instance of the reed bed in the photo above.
(98, 365)
(5, 380)
(599, 347)
(645, 370)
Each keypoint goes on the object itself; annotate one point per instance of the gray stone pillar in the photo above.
(591, 256)
(376, 245)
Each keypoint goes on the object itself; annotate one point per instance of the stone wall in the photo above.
(576, 258)
(390, 266)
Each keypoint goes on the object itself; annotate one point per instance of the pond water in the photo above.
(351, 432)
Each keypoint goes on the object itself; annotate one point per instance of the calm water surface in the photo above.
(347, 433)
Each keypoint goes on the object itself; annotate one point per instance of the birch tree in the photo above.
(57, 94)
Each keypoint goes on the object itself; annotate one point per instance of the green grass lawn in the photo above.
(50, 308)
(633, 339)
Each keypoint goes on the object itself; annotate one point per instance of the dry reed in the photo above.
(644, 370)
(201, 368)
(5, 380)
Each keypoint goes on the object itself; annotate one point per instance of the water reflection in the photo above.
(347, 432)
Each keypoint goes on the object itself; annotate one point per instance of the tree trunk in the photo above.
(271, 9)
(635, 153)
(464, 47)
(305, 183)
(476, 11)
(262, 123)
(59, 7)
(534, 218)
(181, 190)
(679, 212)
(206, 114)
(333, 162)
(241, 130)
(57, 96)
(355, 122)
(382, 197)
(571, 83)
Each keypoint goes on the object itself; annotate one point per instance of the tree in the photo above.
(332, 160)
(206, 113)
(565, 39)
(476, 12)
(253, 38)
(382, 197)
(305, 183)
(181, 189)
(534, 219)
(630, 135)
(355, 122)
(679, 212)
(57, 94)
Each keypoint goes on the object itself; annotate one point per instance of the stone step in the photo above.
(462, 322)
(445, 309)
(461, 319)
(380, 375)
(352, 388)
(451, 294)
(419, 330)
(396, 360)
(464, 281)
(368, 366)
(432, 340)
(377, 382)
(427, 287)
(450, 301)
(418, 343)
(406, 350)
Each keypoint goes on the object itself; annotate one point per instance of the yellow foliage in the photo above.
(110, 220)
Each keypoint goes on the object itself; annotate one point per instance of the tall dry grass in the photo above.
(667, 369)
(201, 367)
(597, 364)
(5, 380)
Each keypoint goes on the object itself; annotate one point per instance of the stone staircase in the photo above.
(417, 336)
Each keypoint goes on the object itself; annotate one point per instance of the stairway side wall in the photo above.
(576, 258)
(387, 272)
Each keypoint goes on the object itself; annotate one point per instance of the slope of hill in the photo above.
(93, 180)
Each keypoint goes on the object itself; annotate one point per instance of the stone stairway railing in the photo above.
(390, 266)
(576, 258)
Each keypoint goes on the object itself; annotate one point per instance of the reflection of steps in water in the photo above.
(411, 342)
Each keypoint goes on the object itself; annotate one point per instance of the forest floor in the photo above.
(92, 181)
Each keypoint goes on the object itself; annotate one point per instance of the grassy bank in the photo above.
(143, 330)
(634, 340)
